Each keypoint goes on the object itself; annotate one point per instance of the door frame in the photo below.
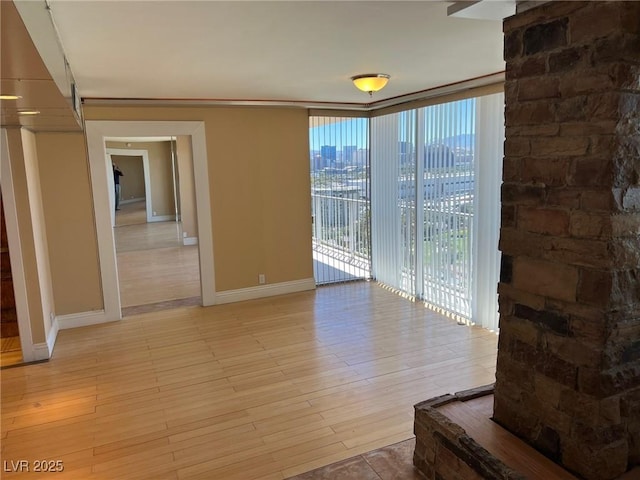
(29, 351)
(97, 132)
(122, 152)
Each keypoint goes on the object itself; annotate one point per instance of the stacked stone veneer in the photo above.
(445, 451)
(568, 369)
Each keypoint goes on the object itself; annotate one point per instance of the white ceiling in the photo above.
(293, 51)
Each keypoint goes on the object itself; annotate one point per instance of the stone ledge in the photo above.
(462, 396)
(444, 450)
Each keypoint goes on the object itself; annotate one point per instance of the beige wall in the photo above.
(189, 223)
(161, 178)
(68, 213)
(260, 188)
(132, 181)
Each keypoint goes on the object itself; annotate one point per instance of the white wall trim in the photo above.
(53, 335)
(203, 211)
(82, 319)
(131, 200)
(97, 131)
(261, 291)
(126, 152)
(161, 218)
(102, 188)
(40, 352)
(190, 241)
(15, 252)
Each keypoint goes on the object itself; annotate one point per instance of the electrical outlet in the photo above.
(261, 279)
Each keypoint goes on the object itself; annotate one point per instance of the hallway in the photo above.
(153, 265)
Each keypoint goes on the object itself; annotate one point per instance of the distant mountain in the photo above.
(463, 139)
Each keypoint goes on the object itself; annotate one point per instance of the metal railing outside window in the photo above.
(435, 178)
(340, 204)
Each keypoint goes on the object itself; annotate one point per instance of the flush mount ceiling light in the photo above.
(10, 97)
(28, 112)
(370, 82)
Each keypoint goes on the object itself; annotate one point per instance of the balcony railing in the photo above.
(447, 254)
(341, 239)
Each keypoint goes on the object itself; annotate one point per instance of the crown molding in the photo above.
(447, 89)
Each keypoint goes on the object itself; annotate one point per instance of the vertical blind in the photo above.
(488, 169)
(448, 179)
(435, 182)
(340, 198)
(393, 200)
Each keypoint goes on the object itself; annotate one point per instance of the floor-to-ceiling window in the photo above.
(430, 227)
(436, 174)
(339, 156)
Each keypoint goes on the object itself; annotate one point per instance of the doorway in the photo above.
(157, 262)
(134, 187)
(102, 183)
(10, 349)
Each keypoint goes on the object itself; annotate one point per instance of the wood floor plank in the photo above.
(282, 431)
(314, 451)
(259, 389)
(221, 468)
(76, 465)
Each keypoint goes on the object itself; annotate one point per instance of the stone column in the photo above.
(568, 371)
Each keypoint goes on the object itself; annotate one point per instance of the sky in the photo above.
(441, 122)
(348, 131)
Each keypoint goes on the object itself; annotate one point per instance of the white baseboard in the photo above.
(261, 291)
(83, 319)
(131, 200)
(190, 241)
(44, 350)
(53, 335)
(40, 352)
(161, 218)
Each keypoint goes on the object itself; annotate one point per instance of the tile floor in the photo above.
(393, 462)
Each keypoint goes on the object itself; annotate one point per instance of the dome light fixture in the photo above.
(370, 82)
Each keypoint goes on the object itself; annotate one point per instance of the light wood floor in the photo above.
(131, 213)
(153, 264)
(263, 389)
(10, 351)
